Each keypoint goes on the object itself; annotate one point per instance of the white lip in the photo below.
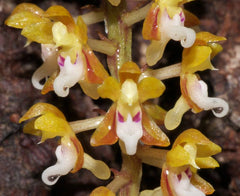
(129, 132)
(66, 160)
(69, 75)
(199, 95)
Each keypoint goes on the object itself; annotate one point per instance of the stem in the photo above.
(104, 47)
(121, 34)
(87, 124)
(168, 72)
(120, 180)
(131, 165)
(135, 16)
(93, 17)
(152, 156)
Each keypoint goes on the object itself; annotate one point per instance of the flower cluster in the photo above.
(134, 119)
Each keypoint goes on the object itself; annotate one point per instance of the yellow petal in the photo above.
(96, 73)
(155, 51)
(196, 58)
(89, 89)
(150, 88)
(28, 7)
(105, 134)
(201, 184)
(25, 14)
(151, 30)
(208, 37)
(39, 32)
(40, 109)
(74, 143)
(102, 191)
(186, 82)
(152, 134)
(30, 129)
(23, 19)
(110, 89)
(82, 30)
(98, 168)
(206, 162)
(178, 156)
(52, 126)
(129, 70)
(204, 145)
(59, 13)
(216, 48)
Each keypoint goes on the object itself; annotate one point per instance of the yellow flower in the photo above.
(127, 119)
(195, 91)
(48, 122)
(190, 151)
(164, 21)
(66, 55)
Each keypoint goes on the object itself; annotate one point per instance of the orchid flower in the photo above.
(48, 122)
(165, 21)
(195, 91)
(67, 57)
(190, 151)
(127, 119)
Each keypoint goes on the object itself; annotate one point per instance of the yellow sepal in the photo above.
(196, 58)
(150, 88)
(109, 89)
(40, 109)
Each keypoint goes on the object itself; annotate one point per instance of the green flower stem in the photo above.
(87, 124)
(105, 47)
(119, 33)
(152, 156)
(164, 73)
(135, 16)
(93, 17)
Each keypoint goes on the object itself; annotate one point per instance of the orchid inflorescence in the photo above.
(133, 120)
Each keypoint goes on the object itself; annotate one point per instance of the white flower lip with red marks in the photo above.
(182, 185)
(174, 29)
(130, 131)
(70, 74)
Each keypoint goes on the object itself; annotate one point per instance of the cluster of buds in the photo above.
(133, 119)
